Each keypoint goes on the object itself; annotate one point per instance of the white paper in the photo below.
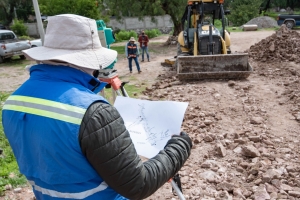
(150, 123)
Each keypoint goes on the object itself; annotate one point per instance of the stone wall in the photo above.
(163, 23)
(32, 30)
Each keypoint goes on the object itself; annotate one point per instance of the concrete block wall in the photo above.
(32, 30)
(163, 23)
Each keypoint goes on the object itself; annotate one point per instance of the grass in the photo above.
(132, 90)
(15, 61)
(9, 170)
(119, 49)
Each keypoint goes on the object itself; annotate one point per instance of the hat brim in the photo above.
(88, 58)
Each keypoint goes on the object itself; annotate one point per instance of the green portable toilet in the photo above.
(106, 35)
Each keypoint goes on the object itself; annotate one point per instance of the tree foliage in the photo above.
(87, 8)
(293, 4)
(19, 28)
(243, 11)
(134, 8)
(7, 10)
(24, 9)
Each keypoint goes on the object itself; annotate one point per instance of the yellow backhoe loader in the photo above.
(203, 50)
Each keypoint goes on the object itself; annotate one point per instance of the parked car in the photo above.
(36, 43)
(11, 46)
(44, 17)
(2, 27)
(289, 20)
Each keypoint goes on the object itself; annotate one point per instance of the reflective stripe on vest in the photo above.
(45, 108)
(78, 195)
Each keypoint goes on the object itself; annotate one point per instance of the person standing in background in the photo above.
(143, 40)
(132, 53)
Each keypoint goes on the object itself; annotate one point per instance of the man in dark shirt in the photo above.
(132, 53)
(143, 40)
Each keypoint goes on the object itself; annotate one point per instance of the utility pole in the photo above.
(39, 20)
(15, 12)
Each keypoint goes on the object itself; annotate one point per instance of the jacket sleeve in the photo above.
(108, 147)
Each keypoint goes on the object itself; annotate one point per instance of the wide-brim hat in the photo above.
(132, 39)
(72, 39)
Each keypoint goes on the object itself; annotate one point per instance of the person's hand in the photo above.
(184, 136)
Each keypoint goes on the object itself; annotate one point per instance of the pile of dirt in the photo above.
(236, 152)
(284, 45)
(263, 22)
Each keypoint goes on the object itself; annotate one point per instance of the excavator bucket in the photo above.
(221, 66)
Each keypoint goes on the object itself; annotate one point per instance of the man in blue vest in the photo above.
(132, 53)
(69, 142)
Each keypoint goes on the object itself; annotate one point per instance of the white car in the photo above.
(36, 43)
(11, 46)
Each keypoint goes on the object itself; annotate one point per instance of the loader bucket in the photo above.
(223, 66)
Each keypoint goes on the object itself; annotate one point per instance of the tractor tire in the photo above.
(1, 59)
(289, 24)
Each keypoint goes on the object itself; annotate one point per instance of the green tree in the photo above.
(134, 8)
(244, 10)
(24, 9)
(7, 10)
(227, 4)
(87, 8)
(19, 28)
(294, 4)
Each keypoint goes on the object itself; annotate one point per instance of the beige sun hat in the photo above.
(132, 39)
(72, 39)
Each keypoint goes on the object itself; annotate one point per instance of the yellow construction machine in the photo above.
(203, 50)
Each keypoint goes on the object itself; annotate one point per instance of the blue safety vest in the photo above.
(41, 120)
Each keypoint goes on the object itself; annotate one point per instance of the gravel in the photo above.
(263, 22)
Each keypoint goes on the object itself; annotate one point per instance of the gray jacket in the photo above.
(115, 159)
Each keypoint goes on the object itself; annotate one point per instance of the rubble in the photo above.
(246, 163)
(250, 151)
(284, 45)
(263, 22)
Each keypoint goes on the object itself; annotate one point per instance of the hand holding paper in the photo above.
(150, 123)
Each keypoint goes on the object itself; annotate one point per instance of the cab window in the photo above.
(7, 36)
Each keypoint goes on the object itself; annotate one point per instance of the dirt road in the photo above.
(245, 133)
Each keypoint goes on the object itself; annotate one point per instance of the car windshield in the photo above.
(6, 36)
